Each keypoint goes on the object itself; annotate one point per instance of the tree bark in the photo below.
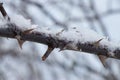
(53, 41)
(11, 30)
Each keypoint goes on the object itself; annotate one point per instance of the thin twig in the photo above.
(4, 13)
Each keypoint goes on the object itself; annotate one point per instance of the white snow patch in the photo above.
(18, 20)
(80, 34)
(21, 22)
(74, 34)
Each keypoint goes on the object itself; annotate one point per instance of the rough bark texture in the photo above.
(12, 30)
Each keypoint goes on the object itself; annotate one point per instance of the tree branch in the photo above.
(4, 12)
(55, 42)
(58, 41)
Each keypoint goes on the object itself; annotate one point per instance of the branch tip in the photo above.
(96, 44)
(28, 31)
(59, 32)
(20, 42)
(49, 50)
(4, 13)
(103, 59)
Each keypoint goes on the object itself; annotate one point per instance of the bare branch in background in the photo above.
(4, 12)
(86, 11)
(99, 19)
(47, 13)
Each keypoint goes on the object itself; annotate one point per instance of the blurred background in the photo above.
(102, 16)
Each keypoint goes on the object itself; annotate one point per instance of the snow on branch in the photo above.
(76, 38)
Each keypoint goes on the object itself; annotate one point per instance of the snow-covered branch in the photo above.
(76, 38)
